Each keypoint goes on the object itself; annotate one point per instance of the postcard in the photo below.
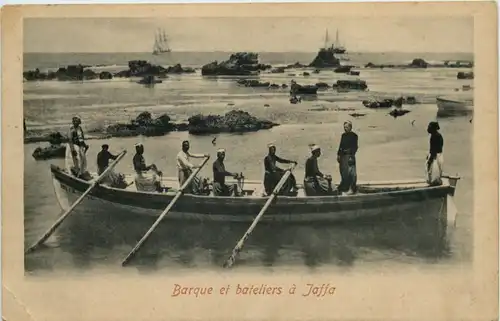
(270, 161)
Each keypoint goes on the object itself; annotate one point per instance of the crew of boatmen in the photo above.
(148, 177)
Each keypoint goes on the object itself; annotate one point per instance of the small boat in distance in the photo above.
(161, 43)
(453, 107)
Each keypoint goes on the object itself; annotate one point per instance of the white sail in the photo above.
(161, 43)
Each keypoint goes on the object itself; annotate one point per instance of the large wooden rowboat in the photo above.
(373, 199)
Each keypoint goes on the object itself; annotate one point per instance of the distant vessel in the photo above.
(336, 47)
(448, 106)
(161, 43)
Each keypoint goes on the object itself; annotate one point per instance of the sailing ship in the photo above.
(161, 43)
(336, 47)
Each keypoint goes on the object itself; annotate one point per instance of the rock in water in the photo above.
(143, 124)
(465, 75)
(343, 69)
(53, 151)
(418, 63)
(233, 121)
(357, 84)
(239, 64)
(105, 75)
(325, 58)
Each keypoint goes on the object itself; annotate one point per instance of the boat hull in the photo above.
(104, 200)
(448, 107)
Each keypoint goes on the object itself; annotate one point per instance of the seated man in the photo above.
(113, 178)
(198, 185)
(273, 174)
(315, 183)
(219, 185)
(142, 182)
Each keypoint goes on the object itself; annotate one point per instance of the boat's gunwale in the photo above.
(345, 199)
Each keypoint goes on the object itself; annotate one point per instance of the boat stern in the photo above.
(449, 214)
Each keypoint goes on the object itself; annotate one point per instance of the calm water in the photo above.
(389, 149)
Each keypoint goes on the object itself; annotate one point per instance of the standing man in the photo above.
(434, 163)
(273, 173)
(76, 150)
(346, 157)
(219, 186)
(315, 182)
(142, 182)
(184, 166)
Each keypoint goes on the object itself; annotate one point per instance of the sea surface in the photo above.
(390, 149)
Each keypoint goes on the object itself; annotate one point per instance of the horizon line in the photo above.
(235, 51)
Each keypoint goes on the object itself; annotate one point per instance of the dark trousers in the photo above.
(347, 168)
(272, 179)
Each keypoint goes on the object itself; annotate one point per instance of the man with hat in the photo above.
(315, 182)
(346, 157)
(273, 173)
(76, 150)
(219, 184)
(142, 182)
(185, 168)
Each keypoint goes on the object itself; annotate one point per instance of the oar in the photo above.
(240, 243)
(163, 214)
(66, 214)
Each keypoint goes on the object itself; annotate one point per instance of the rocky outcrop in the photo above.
(278, 70)
(50, 152)
(418, 63)
(421, 63)
(397, 112)
(144, 124)
(325, 58)
(465, 75)
(178, 69)
(409, 100)
(343, 69)
(233, 121)
(137, 68)
(238, 64)
(459, 64)
(322, 85)
(350, 85)
(54, 138)
(386, 103)
(296, 89)
(296, 65)
(253, 83)
(69, 73)
(105, 75)
(141, 68)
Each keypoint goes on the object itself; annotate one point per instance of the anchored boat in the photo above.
(373, 199)
(451, 107)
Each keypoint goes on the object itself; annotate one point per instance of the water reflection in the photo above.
(92, 239)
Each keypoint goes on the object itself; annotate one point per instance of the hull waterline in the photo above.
(432, 202)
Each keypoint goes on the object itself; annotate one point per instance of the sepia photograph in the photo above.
(258, 161)
(260, 142)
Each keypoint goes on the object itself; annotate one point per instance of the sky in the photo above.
(261, 34)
